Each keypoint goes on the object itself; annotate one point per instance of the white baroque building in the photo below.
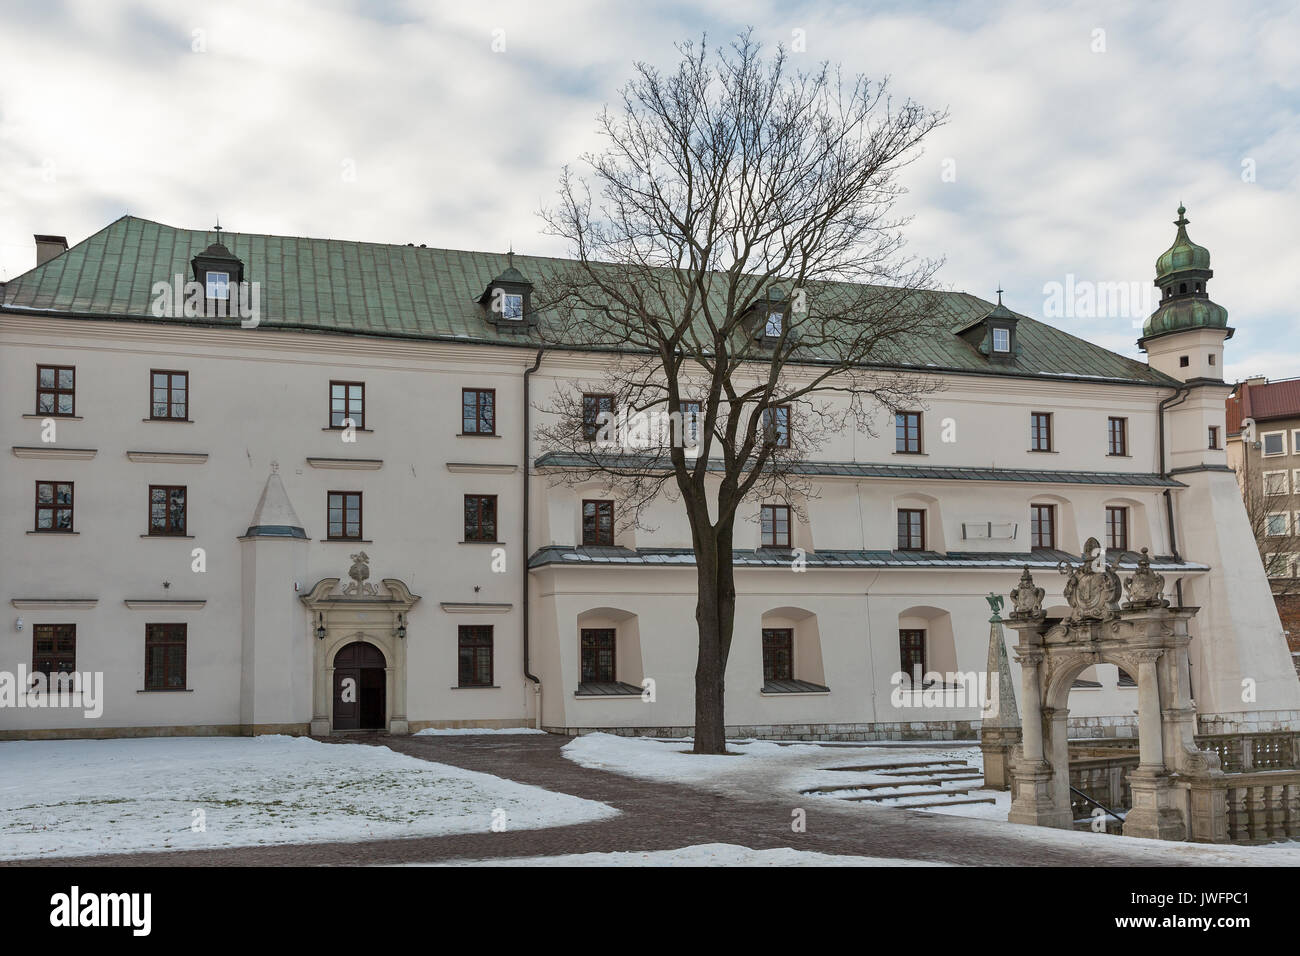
(334, 517)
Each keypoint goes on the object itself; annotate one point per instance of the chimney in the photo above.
(47, 247)
(1257, 380)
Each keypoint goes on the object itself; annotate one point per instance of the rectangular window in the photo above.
(347, 401)
(1117, 529)
(1117, 436)
(911, 529)
(1275, 483)
(480, 517)
(1277, 565)
(56, 392)
(598, 523)
(1040, 431)
(54, 649)
(344, 515)
(512, 306)
(1001, 340)
(1276, 525)
(1214, 436)
(776, 425)
(478, 411)
(167, 509)
(907, 433)
(218, 285)
(1295, 442)
(169, 395)
(1274, 443)
(775, 526)
(592, 407)
(54, 506)
(598, 655)
(475, 650)
(164, 656)
(778, 653)
(773, 327)
(1042, 526)
(911, 655)
(692, 415)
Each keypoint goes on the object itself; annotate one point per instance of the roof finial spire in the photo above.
(1182, 219)
(999, 293)
(217, 227)
(510, 254)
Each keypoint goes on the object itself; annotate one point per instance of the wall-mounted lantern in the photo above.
(401, 626)
(320, 625)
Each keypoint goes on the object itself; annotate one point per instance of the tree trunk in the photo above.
(715, 612)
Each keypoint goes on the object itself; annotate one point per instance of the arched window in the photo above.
(1182, 287)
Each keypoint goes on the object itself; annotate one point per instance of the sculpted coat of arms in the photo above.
(1092, 593)
(360, 574)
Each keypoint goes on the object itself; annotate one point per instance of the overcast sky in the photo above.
(1075, 129)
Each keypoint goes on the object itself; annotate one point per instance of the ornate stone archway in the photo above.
(1146, 637)
(359, 611)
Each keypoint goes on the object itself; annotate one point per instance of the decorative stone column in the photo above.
(1000, 723)
(1155, 813)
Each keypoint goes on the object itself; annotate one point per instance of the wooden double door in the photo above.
(360, 688)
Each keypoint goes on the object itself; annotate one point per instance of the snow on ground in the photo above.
(463, 731)
(71, 797)
(763, 770)
(706, 854)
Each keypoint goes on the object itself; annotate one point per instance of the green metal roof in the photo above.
(857, 469)
(365, 288)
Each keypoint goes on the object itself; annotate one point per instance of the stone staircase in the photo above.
(913, 785)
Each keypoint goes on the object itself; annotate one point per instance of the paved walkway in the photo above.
(656, 816)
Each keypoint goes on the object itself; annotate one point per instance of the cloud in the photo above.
(398, 122)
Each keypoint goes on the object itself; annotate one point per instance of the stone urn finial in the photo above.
(1027, 599)
(1145, 588)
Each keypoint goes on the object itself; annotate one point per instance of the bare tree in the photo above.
(743, 257)
(1277, 550)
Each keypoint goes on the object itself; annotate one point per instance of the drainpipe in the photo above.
(1175, 399)
(537, 683)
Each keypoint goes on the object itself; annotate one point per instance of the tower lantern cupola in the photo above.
(1186, 322)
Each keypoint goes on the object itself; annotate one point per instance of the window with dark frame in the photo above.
(475, 655)
(347, 400)
(167, 509)
(54, 506)
(480, 517)
(598, 523)
(774, 525)
(344, 515)
(54, 649)
(478, 411)
(907, 433)
(598, 655)
(169, 395)
(1116, 528)
(1042, 526)
(778, 653)
(911, 655)
(692, 417)
(776, 425)
(1214, 436)
(164, 656)
(56, 390)
(911, 529)
(1040, 431)
(1117, 436)
(592, 405)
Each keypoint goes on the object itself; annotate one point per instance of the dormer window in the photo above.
(775, 322)
(1001, 340)
(218, 285)
(506, 299)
